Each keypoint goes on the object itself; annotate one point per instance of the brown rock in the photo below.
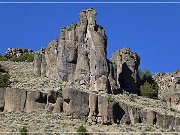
(126, 65)
(173, 101)
(14, 100)
(76, 103)
(58, 107)
(105, 108)
(50, 58)
(151, 118)
(36, 100)
(37, 63)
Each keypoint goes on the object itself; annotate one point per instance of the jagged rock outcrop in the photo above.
(168, 83)
(125, 65)
(16, 52)
(79, 55)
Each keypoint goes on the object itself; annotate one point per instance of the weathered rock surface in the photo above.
(76, 103)
(126, 65)
(14, 100)
(173, 101)
(168, 83)
(36, 100)
(58, 107)
(79, 55)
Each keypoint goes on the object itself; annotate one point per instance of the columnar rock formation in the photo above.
(79, 55)
(12, 100)
(75, 103)
(126, 65)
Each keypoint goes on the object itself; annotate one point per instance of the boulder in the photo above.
(15, 100)
(36, 100)
(76, 103)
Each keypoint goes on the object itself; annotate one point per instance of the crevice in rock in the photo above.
(1, 109)
(67, 100)
(118, 113)
(155, 119)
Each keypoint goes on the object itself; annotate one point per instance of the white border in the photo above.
(81, 2)
(90, 132)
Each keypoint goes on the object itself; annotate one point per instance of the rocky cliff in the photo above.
(169, 88)
(79, 56)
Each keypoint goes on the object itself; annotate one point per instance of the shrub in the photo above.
(149, 90)
(82, 130)
(147, 85)
(132, 97)
(2, 58)
(23, 131)
(4, 80)
(24, 58)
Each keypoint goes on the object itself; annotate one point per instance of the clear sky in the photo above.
(151, 30)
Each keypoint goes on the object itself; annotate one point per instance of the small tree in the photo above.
(23, 131)
(2, 58)
(4, 80)
(147, 84)
(149, 90)
(82, 130)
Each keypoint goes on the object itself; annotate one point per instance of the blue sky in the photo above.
(151, 30)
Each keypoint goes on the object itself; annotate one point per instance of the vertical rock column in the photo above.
(126, 64)
(67, 56)
(50, 65)
(37, 63)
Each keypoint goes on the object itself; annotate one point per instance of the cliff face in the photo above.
(79, 56)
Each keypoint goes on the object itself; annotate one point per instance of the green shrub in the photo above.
(147, 84)
(132, 97)
(2, 58)
(24, 58)
(82, 130)
(149, 90)
(4, 80)
(23, 131)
